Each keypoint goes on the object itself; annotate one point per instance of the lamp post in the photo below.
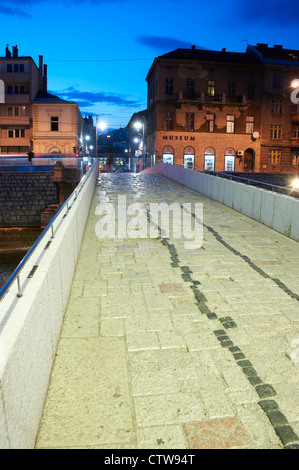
(102, 126)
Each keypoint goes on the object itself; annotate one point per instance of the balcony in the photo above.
(12, 78)
(295, 118)
(14, 121)
(17, 99)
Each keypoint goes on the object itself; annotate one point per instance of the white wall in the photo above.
(30, 326)
(277, 211)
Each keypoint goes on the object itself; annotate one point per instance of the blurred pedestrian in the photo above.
(109, 163)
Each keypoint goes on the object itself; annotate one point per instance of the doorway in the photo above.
(249, 160)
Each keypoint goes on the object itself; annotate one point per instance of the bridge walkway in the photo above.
(164, 347)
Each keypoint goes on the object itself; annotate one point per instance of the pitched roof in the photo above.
(44, 97)
(208, 55)
(276, 54)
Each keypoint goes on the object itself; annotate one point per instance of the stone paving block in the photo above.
(161, 437)
(156, 350)
(141, 341)
(224, 433)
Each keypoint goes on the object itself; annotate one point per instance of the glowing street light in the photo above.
(296, 184)
(102, 126)
(295, 83)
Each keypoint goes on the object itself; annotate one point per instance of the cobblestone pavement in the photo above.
(164, 347)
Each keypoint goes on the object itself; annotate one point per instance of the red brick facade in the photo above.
(224, 111)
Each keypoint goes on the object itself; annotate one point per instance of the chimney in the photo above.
(45, 79)
(40, 73)
(277, 46)
(223, 49)
(7, 51)
(15, 52)
(193, 48)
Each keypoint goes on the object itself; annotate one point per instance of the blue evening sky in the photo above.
(98, 52)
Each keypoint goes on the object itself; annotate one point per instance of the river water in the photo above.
(14, 244)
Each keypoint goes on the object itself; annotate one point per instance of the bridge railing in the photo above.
(47, 235)
(291, 190)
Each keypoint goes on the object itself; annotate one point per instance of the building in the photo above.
(30, 117)
(58, 126)
(224, 111)
(22, 80)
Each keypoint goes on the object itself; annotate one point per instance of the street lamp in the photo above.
(102, 126)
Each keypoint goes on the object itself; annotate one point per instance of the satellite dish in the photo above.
(255, 135)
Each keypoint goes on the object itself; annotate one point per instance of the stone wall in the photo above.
(24, 195)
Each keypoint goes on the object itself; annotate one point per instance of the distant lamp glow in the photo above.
(87, 137)
(295, 83)
(102, 125)
(136, 140)
(296, 184)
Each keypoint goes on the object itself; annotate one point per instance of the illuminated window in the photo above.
(295, 157)
(210, 122)
(275, 131)
(230, 124)
(249, 124)
(276, 106)
(54, 123)
(296, 133)
(211, 88)
(274, 157)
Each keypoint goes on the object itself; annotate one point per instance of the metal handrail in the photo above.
(16, 274)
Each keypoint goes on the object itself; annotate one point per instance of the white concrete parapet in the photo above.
(30, 325)
(277, 211)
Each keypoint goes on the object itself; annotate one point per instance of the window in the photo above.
(276, 106)
(296, 133)
(274, 157)
(16, 111)
(230, 124)
(211, 88)
(190, 88)
(169, 121)
(16, 89)
(277, 81)
(231, 89)
(54, 123)
(189, 122)
(275, 131)
(295, 157)
(250, 91)
(249, 124)
(169, 86)
(16, 68)
(210, 122)
(16, 133)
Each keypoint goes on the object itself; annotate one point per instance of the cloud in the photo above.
(20, 7)
(279, 12)
(164, 43)
(13, 11)
(86, 98)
